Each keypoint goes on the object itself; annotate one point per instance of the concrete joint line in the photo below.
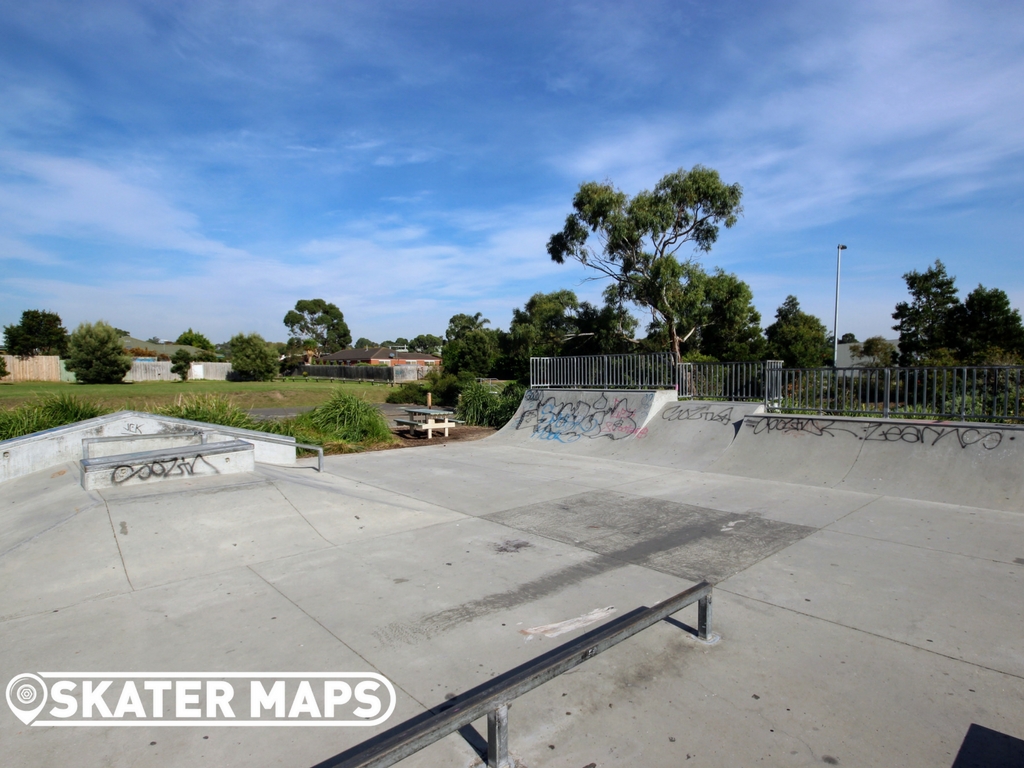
(872, 634)
(113, 532)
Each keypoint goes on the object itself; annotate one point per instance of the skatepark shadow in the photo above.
(984, 748)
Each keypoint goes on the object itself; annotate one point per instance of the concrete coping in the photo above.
(120, 415)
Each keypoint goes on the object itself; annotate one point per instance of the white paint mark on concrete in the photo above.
(561, 627)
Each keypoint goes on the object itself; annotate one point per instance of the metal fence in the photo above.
(604, 372)
(967, 393)
(757, 382)
(382, 373)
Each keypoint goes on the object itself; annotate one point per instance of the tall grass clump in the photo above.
(50, 412)
(346, 419)
(211, 409)
(480, 406)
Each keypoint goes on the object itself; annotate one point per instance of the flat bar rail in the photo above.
(493, 697)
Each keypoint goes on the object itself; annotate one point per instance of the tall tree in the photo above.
(545, 322)
(474, 353)
(639, 237)
(192, 339)
(986, 329)
(604, 330)
(730, 326)
(427, 343)
(39, 333)
(252, 358)
(926, 322)
(461, 324)
(319, 320)
(798, 339)
(878, 352)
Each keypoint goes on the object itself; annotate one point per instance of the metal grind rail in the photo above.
(493, 697)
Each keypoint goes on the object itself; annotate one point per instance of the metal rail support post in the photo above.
(704, 618)
(497, 738)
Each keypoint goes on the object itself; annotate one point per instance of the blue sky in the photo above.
(206, 164)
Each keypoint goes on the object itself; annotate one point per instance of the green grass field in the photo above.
(149, 395)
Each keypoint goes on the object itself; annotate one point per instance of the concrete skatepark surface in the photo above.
(868, 584)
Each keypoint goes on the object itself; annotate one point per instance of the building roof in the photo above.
(130, 342)
(376, 353)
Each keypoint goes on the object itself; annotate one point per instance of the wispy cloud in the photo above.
(42, 195)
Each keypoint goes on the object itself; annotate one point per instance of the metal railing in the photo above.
(965, 393)
(493, 697)
(204, 440)
(656, 371)
(755, 382)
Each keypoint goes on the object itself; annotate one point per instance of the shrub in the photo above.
(345, 418)
(446, 388)
(181, 363)
(251, 358)
(3, 367)
(408, 393)
(481, 406)
(95, 354)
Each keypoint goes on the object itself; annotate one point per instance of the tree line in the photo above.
(635, 244)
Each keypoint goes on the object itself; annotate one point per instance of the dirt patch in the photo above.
(408, 439)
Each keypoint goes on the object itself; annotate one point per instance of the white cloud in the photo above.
(58, 196)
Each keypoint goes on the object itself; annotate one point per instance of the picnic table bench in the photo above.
(426, 420)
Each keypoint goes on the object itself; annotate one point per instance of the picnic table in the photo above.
(426, 420)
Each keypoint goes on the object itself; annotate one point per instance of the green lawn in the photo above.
(153, 394)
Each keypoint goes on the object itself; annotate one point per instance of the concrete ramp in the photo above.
(586, 422)
(652, 428)
(690, 434)
(793, 449)
(972, 464)
(978, 465)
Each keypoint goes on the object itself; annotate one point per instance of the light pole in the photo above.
(835, 322)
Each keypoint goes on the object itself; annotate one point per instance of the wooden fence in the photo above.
(40, 368)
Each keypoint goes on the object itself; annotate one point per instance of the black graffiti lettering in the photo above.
(814, 427)
(930, 435)
(697, 413)
(179, 466)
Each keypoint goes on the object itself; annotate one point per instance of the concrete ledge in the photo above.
(40, 450)
(221, 458)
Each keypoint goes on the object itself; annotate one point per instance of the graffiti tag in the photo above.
(177, 467)
(924, 434)
(610, 417)
(696, 413)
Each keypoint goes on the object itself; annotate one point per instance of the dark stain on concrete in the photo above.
(680, 539)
